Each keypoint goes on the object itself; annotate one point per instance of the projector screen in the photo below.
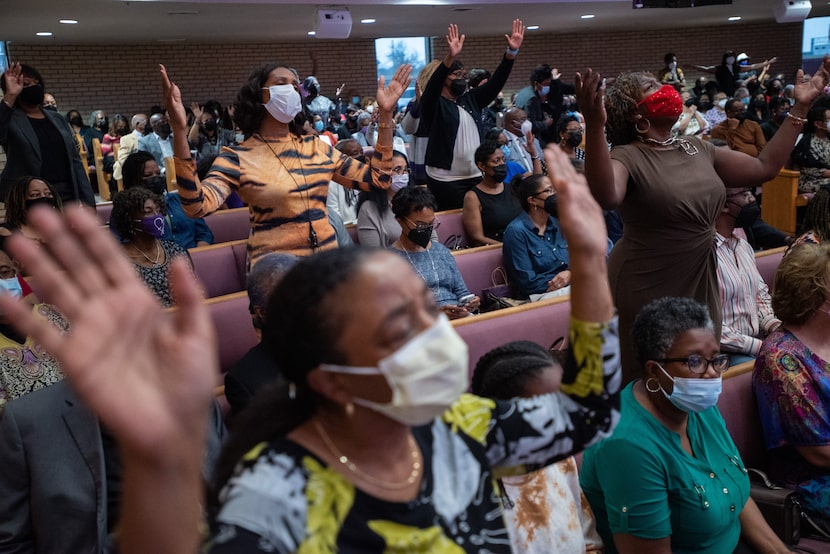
(4, 57)
(815, 42)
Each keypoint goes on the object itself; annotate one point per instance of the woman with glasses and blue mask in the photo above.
(489, 207)
(414, 209)
(376, 224)
(282, 175)
(670, 479)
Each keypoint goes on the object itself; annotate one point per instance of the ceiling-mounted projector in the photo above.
(333, 23)
(792, 11)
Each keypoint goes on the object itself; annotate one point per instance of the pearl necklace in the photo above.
(687, 147)
(351, 466)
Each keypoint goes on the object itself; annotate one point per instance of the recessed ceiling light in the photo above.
(367, 20)
(587, 16)
(532, 27)
(68, 21)
(734, 18)
(44, 34)
(312, 33)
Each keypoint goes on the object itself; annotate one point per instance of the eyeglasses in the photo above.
(421, 226)
(548, 190)
(400, 170)
(7, 272)
(698, 364)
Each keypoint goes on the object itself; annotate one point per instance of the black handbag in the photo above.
(498, 296)
(780, 506)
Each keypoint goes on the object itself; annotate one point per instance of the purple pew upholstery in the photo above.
(229, 225)
(767, 262)
(234, 329)
(477, 264)
(541, 322)
(451, 224)
(104, 209)
(220, 267)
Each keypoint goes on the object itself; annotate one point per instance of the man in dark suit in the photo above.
(38, 142)
(159, 143)
(60, 483)
(257, 368)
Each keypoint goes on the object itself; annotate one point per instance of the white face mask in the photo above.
(527, 126)
(693, 394)
(722, 103)
(284, 103)
(426, 375)
(370, 108)
(399, 182)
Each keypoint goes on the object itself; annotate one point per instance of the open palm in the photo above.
(388, 94)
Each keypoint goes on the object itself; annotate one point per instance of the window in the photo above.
(392, 52)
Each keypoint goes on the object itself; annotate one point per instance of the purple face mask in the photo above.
(152, 225)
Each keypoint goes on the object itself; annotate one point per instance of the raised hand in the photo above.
(808, 88)
(173, 102)
(197, 111)
(146, 372)
(454, 42)
(339, 90)
(530, 144)
(515, 38)
(14, 81)
(590, 90)
(388, 95)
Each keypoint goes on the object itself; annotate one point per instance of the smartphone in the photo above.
(466, 299)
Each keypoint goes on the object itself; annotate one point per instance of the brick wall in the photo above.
(124, 78)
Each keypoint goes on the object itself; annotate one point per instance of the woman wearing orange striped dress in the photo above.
(281, 175)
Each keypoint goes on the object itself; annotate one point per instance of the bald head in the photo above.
(513, 119)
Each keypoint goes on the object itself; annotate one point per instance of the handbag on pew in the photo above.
(498, 296)
(454, 242)
(780, 506)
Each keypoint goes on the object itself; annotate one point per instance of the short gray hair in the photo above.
(662, 321)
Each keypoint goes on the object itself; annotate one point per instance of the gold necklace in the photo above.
(351, 466)
(675, 141)
(158, 253)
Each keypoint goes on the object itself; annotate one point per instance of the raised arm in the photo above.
(737, 169)
(607, 178)
(148, 374)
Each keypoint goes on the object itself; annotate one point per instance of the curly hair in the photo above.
(817, 215)
(801, 283)
(132, 172)
(412, 199)
(562, 124)
(127, 204)
(249, 109)
(504, 372)
(301, 332)
(662, 321)
(620, 102)
(524, 188)
(16, 198)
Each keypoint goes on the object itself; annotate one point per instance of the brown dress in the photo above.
(668, 243)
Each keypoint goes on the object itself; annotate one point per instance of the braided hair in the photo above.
(505, 371)
(817, 216)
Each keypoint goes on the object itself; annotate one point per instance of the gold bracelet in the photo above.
(383, 125)
(796, 121)
(9, 105)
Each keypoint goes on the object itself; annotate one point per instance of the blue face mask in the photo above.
(545, 90)
(318, 125)
(693, 394)
(355, 100)
(11, 286)
(745, 101)
(505, 149)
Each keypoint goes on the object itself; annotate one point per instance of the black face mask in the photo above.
(499, 102)
(164, 130)
(103, 124)
(156, 184)
(575, 139)
(740, 117)
(50, 108)
(689, 103)
(759, 104)
(32, 95)
(421, 237)
(209, 126)
(705, 106)
(458, 86)
(748, 215)
(552, 205)
(42, 201)
(500, 173)
(122, 131)
(76, 121)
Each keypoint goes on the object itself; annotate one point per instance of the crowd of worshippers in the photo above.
(651, 198)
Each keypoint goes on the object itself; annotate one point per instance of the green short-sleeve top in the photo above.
(641, 482)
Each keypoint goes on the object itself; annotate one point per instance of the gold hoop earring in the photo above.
(642, 131)
(649, 380)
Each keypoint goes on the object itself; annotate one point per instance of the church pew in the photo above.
(780, 199)
(767, 262)
(229, 225)
(220, 267)
(234, 330)
(477, 264)
(451, 224)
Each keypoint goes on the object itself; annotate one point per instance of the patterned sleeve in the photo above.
(525, 434)
(354, 174)
(203, 197)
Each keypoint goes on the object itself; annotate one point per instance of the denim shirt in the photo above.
(531, 260)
